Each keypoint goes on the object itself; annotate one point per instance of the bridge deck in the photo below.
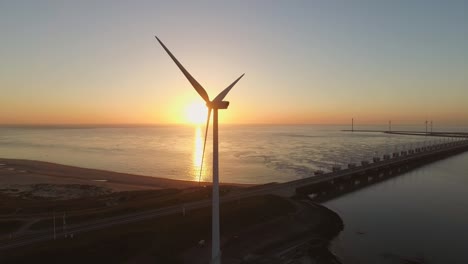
(431, 151)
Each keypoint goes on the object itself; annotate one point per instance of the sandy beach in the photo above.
(47, 179)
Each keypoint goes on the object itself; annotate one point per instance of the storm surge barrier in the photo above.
(365, 172)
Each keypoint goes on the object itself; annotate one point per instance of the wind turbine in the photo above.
(213, 105)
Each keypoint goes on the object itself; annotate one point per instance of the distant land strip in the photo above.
(412, 133)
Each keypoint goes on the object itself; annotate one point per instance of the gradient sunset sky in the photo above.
(317, 62)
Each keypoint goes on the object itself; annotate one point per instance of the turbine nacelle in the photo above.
(217, 104)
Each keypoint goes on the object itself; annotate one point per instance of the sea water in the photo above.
(248, 153)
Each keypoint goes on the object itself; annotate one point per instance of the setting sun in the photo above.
(196, 113)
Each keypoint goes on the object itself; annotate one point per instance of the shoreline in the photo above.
(23, 174)
(279, 223)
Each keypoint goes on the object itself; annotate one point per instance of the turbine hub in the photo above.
(218, 105)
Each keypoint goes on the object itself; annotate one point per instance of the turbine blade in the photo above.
(223, 94)
(204, 143)
(201, 91)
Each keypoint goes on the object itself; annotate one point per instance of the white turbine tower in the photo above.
(214, 105)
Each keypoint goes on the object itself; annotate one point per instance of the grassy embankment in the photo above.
(159, 240)
(93, 208)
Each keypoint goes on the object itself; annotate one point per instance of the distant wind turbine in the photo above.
(214, 105)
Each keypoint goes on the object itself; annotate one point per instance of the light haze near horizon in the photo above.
(323, 62)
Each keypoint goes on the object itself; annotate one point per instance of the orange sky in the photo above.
(322, 66)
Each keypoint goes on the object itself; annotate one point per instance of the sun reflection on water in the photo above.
(198, 156)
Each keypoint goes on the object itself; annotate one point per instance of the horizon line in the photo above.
(12, 125)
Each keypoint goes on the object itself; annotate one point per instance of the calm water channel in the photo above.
(420, 215)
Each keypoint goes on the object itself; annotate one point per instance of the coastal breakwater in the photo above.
(325, 186)
(317, 184)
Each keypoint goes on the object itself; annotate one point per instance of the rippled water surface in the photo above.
(248, 154)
